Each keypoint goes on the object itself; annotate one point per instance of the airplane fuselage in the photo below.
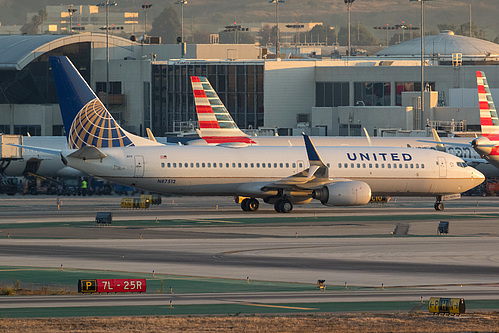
(192, 170)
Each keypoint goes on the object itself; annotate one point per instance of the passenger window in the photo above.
(245, 165)
(377, 165)
(168, 165)
(162, 165)
(258, 165)
(358, 165)
(400, 165)
(252, 165)
(339, 165)
(214, 165)
(233, 165)
(197, 164)
(180, 165)
(352, 165)
(389, 165)
(227, 165)
(345, 165)
(300, 165)
(275, 165)
(239, 165)
(220, 165)
(203, 164)
(209, 165)
(287, 165)
(280, 165)
(269, 165)
(263, 165)
(417, 166)
(186, 165)
(382, 165)
(294, 165)
(422, 166)
(395, 165)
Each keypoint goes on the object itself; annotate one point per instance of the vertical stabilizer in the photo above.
(215, 123)
(86, 120)
(488, 113)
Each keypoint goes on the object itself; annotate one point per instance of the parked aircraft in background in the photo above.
(282, 176)
(216, 126)
(487, 146)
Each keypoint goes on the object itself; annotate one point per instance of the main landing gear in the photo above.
(250, 205)
(283, 206)
(439, 205)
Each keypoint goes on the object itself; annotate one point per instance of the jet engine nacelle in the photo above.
(347, 193)
(482, 145)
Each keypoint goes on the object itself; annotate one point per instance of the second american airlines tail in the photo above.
(281, 176)
(487, 146)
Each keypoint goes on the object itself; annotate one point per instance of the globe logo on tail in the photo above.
(95, 126)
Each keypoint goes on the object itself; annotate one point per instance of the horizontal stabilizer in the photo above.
(88, 153)
(40, 149)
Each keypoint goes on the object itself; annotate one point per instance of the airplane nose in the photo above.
(477, 176)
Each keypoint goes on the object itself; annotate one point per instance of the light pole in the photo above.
(146, 7)
(107, 4)
(422, 60)
(182, 3)
(71, 10)
(277, 46)
(349, 4)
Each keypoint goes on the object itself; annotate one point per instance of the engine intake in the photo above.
(345, 193)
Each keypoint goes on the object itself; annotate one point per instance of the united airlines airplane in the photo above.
(282, 176)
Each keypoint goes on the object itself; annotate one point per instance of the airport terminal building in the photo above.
(320, 95)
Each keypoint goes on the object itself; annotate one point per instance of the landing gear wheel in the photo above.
(439, 206)
(283, 206)
(245, 204)
(277, 206)
(250, 205)
(253, 205)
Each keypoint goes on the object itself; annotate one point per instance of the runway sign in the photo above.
(447, 305)
(112, 286)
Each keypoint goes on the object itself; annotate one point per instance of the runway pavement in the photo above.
(212, 237)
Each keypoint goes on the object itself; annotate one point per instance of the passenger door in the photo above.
(139, 166)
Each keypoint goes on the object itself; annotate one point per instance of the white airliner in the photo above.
(283, 176)
(216, 126)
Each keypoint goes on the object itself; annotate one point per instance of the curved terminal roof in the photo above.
(444, 44)
(17, 51)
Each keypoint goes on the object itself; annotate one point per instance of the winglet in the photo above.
(436, 137)
(317, 166)
(150, 135)
(367, 137)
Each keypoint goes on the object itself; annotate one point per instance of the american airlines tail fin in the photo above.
(488, 113)
(216, 126)
(86, 120)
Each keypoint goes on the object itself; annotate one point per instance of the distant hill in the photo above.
(208, 15)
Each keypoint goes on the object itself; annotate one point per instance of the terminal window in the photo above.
(332, 94)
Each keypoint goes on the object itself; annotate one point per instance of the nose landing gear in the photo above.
(439, 205)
